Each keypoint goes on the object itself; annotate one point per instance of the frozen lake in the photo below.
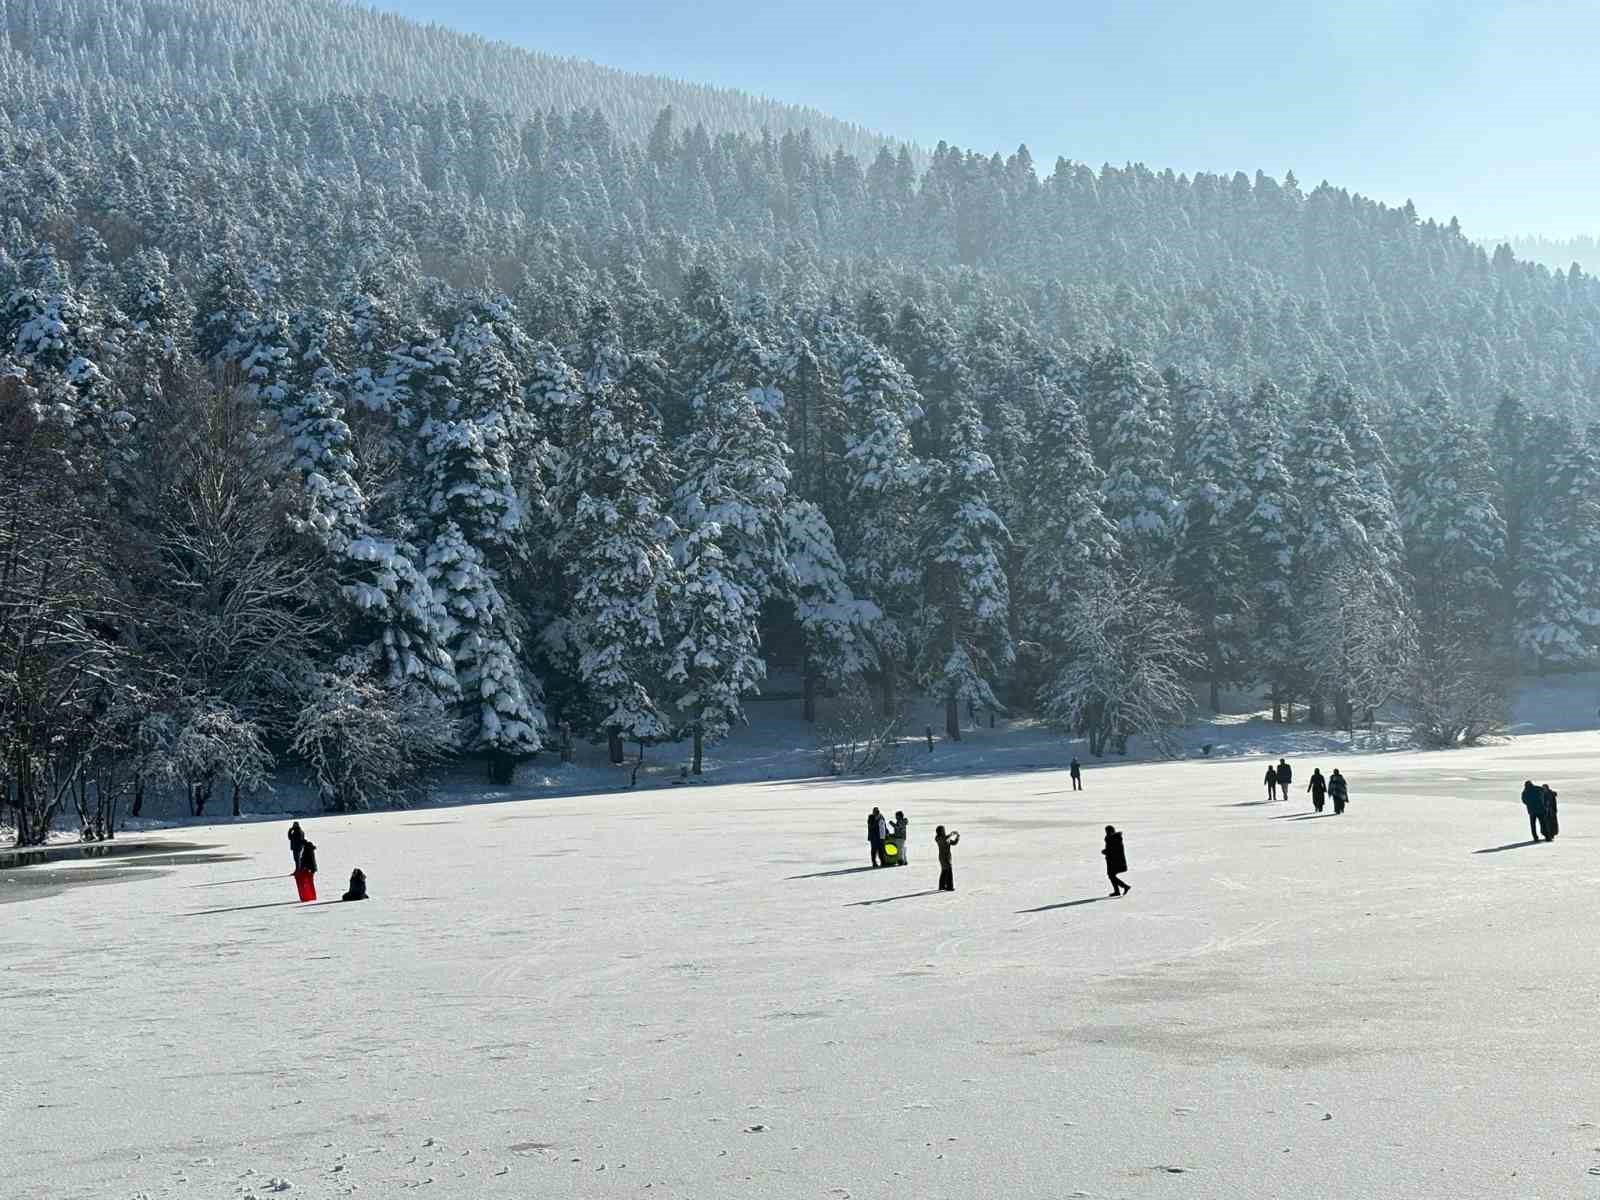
(701, 993)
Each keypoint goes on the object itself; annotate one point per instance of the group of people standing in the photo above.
(1322, 789)
(1540, 801)
(304, 853)
(880, 833)
(887, 842)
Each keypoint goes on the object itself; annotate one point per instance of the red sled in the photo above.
(307, 883)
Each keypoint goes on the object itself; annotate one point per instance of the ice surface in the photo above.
(703, 992)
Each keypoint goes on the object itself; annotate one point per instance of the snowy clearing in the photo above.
(701, 992)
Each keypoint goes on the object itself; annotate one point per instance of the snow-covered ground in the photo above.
(701, 992)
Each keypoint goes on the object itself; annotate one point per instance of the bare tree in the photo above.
(1124, 668)
(60, 661)
(854, 736)
(369, 746)
(1357, 644)
(1455, 692)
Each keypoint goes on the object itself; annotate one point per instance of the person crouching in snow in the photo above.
(358, 886)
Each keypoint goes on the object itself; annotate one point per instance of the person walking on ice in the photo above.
(1076, 771)
(1548, 824)
(1285, 778)
(1533, 801)
(1318, 787)
(947, 870)
(1116, 861)
(1272, 783)
(1339, 790)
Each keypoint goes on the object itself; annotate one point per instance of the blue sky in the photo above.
(1490, 112)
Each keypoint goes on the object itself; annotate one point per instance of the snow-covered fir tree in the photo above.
(613, 540)
(964, 624)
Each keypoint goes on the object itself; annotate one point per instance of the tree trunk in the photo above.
(1216, 696)
(502, 767)
(1277, 707)
(1317, 711)
(808, 690)
(614, 741)
(138, 796)
(889, 694)
(699, 748)
(952, 718)
(236, 797)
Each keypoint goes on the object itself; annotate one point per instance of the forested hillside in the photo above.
(1559, 254)
(351, 429)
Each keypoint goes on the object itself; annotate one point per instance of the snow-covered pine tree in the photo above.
(1353, 639)
(1209, 567)
(1268, 543)
(732, 556)
(1067, 536)
(1455, 547)
(964, 623)
(880, 485)
(469, 400)
(1455, 536)
(1558, 597)
(612, 539)
(1138, 492)
(836, 625)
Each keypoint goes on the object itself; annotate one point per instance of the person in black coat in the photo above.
(1272, 783)
(875, 836)
(1116, 861)
(947, 870)
(358, 886)
(1285, 778)
(308, 857)
(1547, 814)
(1318, 787)
(1076, 770)
(1533, 801)
(1339, 790)
(297, 839)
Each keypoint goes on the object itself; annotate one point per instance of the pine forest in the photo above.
(373, 396)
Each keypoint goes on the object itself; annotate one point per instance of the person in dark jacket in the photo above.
(1285, 778)
(308, 857)
(1272, 784)
(297, 839)
(1533, 801)
(1548, 824)
(901, 827)
(1076, 770)
(947, 870)
(1318, 787)
(1339, 790)
(875, 836)
(1116, 861)
(358, 886)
